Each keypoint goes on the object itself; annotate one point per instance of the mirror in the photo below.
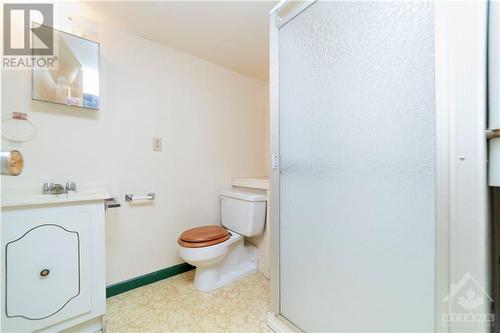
(75, 80)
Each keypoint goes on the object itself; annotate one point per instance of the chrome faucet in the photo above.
(52, 188)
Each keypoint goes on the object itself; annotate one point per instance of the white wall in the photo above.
(213, 125)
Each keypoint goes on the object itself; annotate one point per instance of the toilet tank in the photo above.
(243, 212)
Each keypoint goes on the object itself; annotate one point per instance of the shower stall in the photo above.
(379, 193)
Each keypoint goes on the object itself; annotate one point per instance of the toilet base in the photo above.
(240, 260)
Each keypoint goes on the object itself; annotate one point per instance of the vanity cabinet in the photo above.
(53, 274)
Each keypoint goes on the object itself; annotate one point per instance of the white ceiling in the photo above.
(233, 34)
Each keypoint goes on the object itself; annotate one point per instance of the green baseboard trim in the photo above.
(121, 287)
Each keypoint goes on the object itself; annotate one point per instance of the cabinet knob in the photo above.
(44, 272)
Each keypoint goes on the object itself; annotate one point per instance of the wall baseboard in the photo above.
(139, 281)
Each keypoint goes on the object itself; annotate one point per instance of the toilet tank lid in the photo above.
(244, 195)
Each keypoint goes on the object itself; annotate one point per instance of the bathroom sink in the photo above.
(18, 198)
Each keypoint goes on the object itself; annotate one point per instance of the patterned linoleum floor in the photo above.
(174, 305)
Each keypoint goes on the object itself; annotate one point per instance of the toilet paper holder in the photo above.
(112, 203)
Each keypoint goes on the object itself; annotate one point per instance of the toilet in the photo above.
(220, 253)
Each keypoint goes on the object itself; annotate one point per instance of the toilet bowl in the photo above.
(220, 254)
(219, 264)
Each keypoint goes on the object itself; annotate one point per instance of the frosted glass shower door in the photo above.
(357, 167)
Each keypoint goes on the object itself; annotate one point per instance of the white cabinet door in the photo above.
(42, 271)
(46, 266)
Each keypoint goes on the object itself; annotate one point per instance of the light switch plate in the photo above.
(156, 144)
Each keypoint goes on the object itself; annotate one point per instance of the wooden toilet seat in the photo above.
(203, 236)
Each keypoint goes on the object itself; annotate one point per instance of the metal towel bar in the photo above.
(132, 197)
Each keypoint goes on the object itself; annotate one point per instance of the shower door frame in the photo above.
(461, 167)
